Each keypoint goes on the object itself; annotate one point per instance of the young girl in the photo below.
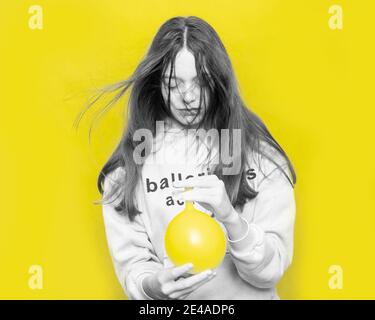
(186, 82)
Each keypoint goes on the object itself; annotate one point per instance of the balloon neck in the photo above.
(189, 205)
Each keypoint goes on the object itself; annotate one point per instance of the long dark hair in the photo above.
(146, 105)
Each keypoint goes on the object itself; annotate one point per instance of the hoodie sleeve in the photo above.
(268, 252)
(132, 253)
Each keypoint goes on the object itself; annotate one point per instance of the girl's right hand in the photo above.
(165, 285)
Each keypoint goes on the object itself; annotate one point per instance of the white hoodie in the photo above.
(137, 248)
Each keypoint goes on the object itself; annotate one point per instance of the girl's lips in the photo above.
(189, 111)
(189, 114)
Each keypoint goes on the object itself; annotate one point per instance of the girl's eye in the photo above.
(173, 85)
(201, 84)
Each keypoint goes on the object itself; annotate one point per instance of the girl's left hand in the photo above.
(209, 191)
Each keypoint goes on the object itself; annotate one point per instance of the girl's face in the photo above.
(185, 89)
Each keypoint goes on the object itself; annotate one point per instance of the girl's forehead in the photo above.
(184, 67)
(183, 72)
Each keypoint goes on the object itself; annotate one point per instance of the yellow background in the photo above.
(312, 86)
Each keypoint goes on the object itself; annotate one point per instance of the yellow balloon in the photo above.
(193, 236)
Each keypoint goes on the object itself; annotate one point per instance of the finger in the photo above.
(203, 181)
(178, 190)
(196, 191)
(191, 281)
(183, 296)
(178, 271)
(196, 195)
(185, 292)
(183, 276)
(206, 190)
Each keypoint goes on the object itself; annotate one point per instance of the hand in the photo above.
(165, 285)
(209, 191)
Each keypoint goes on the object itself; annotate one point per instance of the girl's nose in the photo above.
(189, 97)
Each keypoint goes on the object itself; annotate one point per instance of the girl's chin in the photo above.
(189, 119)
